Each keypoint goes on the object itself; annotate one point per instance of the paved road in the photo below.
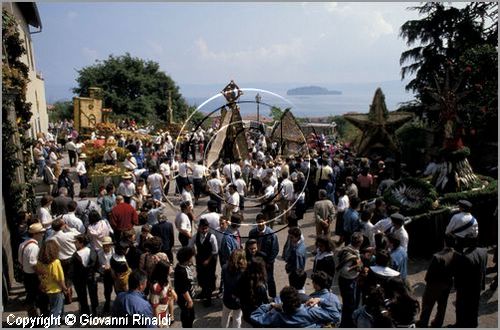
(210, 316)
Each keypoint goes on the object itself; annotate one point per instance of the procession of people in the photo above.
(142, 239)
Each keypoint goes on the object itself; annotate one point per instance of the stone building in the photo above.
(28, 18)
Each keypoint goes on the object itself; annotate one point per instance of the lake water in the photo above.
(304, 106)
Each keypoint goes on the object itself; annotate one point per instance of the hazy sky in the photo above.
(215, 42)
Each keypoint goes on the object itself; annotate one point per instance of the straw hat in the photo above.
(83, 156)
(107, 241)
(127, 176)
(36, 228)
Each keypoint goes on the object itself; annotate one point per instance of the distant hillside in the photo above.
(311, 90)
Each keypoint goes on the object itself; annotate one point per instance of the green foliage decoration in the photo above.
(476, 195)
(17, 195)
(413, 196)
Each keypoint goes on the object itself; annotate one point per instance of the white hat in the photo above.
(82, 156)
(107, 241)
(36, 228)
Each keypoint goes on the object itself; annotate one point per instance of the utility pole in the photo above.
(170, 119)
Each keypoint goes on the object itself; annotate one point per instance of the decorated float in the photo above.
(428, 202)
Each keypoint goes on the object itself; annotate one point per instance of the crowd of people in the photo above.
(125, 240)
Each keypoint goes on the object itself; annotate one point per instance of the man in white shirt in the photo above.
(187, 193)
(206, 260)
(130, 163)
(183, 224)
(269, 203)
(463, 224)
(199, 172)
(287, 196)
(71, 147)
(65, 238)
(182, 177)
(212, 216)
(72, 220)
(126, 188)
(82, 171)
(256, 178)
(166, 172)
(230, 168)
(398, 230)
(110, 157)
(28, 258)
(155, 183)
(241, 188)
(233, 202)
(215, 189)
(174, 168)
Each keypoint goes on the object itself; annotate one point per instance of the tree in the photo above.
(453, 50)
(62, 110)
(133, 87)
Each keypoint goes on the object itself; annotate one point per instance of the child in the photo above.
(120, 270)
(144, 236)
(161, 295)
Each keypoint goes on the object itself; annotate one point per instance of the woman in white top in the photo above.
(97, 230)
(53, 156)
(43, 213)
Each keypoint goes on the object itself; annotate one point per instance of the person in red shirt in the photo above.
(123, 216)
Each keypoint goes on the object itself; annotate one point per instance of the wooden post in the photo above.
(170, 118)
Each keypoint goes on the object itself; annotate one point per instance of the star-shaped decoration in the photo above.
(232, 92)
(378, 126)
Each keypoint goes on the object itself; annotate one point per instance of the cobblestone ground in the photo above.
(209, 317)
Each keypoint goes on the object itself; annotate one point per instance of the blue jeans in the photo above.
(271, 284)
(350, 300)
(41, 165)
(56, 303)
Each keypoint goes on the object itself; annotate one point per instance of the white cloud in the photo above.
(360, 21)
(274, 52)
(379, 26)
(90, 54)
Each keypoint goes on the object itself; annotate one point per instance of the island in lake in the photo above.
(312, 90)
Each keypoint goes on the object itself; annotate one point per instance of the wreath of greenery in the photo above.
(18, 195)
(481, 195)
(424, 204)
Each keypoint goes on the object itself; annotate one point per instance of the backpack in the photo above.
(18, 264)
(84, 214)
(346, 255)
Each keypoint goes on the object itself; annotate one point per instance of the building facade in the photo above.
(29, 21)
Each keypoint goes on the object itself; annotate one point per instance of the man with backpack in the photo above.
(349, 265)
(28, 258)
(84, 206)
